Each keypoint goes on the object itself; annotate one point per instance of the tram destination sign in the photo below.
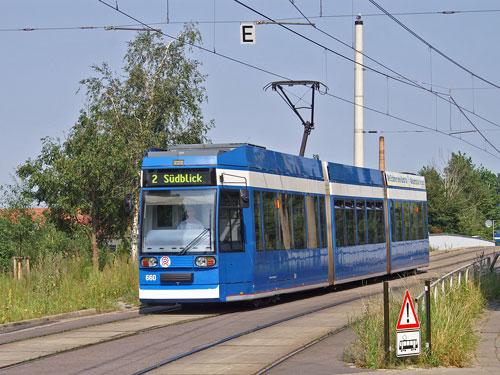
(178, 177)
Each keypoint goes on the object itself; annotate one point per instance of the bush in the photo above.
(23, 235)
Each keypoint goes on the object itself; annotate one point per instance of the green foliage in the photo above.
(155, 102)
(78, 181)
(23, 234)
(58, 284)
(462, 197)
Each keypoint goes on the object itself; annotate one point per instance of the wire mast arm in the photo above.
(308, 125)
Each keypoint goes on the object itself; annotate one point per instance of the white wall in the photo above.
(453, 241)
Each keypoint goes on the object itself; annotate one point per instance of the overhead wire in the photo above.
(401, 79)
(192, 44)
(416, 82)
(286, 78)
(432, 91)
(431, 46)
(450, 60)
(444, 12)
(474, 126)
(413, 123)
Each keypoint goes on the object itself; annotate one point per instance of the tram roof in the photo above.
(258, 158)
(197, 149)
(238, 155)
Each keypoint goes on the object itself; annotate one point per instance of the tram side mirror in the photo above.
(127, 203)
(244, 199)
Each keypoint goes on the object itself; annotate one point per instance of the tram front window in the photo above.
(178, 221)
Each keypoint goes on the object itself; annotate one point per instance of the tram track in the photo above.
(240, 334)
(314, 342)
(184, 328)
(457, 257)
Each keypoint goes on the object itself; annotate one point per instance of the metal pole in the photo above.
(381, 154)
(386, 321)
(304, 140)
(428, 312)
(359, 157)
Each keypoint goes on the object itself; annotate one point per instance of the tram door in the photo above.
(235, 263)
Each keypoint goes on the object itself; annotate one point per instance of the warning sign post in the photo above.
(408, 330)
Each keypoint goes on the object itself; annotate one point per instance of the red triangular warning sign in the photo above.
(407, 317)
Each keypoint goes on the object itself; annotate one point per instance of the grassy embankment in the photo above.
(57, 284)
(454, 334)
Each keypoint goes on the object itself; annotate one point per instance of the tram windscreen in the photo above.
(178, 221)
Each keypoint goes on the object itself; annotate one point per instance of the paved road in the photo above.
(163, 337)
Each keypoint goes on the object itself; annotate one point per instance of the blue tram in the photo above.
(236, 222)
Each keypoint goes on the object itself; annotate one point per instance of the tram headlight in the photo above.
(205, 261)
(149, 262)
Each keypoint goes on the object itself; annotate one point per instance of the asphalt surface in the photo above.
(327, 357)
(250, 354)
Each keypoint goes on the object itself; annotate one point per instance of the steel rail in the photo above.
(291, 355)
(264, 326)
(127, 335)
(224, 340)
(295, 316)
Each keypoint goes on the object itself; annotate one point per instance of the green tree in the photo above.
(156, 102)
(462, 197)
(81, 181)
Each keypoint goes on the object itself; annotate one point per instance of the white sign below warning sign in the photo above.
(407, 343)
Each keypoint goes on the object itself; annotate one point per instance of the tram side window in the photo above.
(230, 221)
(361, 221)
(299, 221)
(285, 221)
(372, 223)
(406, 215)
(393, 220)
(258, 220)
(421, 221)
(270, 220)
(322, 221)
(426, 225)
(350, 222)
(414, 220)
(312, 220)
(398, 213)
(340, 239)
(379, 212)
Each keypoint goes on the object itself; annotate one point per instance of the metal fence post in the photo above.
(428, 312)
(386, 321)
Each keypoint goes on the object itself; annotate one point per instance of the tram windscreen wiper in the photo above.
(197, 239)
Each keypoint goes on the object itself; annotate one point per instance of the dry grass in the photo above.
(57, 284)
(454, 338)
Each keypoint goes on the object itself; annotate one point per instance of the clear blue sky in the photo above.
(41, 69)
